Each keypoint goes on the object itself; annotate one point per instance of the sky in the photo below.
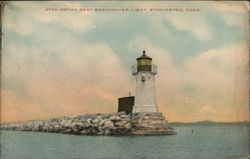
(67, 63)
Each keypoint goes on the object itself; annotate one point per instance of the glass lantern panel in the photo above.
(144, 62)
(148, 62)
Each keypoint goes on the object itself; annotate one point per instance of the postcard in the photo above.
(125, 80)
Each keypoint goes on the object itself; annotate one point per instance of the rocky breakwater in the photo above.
(98, 124)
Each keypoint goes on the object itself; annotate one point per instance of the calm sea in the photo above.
(205, 142)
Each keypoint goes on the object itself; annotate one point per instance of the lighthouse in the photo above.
(142, 108)
(144, 73)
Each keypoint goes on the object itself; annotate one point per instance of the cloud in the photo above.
(236, 7)
(16, 23)
(26, 18)
(212, 85)
(218, 78)
(196, 24)
(234, 20)
(54, 71)
(232, 13)
(87, 79)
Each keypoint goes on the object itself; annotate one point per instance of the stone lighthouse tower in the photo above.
(144, 72)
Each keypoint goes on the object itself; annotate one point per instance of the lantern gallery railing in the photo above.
(142, 68)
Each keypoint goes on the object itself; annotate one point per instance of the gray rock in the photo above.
(99, 124)
(89, 120)
(123, 123)
(115, 118)
(95, 121)
(124, 116)
(108, 124)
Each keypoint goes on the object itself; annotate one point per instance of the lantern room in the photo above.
(144, 63)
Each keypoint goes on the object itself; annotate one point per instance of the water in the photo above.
(205, 142)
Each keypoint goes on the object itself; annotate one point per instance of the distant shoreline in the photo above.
(207, 122)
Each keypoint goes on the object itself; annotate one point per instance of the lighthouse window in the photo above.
(143, 78)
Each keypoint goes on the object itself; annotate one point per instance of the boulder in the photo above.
(123, 123)
(89, 120)
(108, 124)
(115, 118)
(99, 124)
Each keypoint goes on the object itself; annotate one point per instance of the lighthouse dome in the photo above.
(144, 56)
